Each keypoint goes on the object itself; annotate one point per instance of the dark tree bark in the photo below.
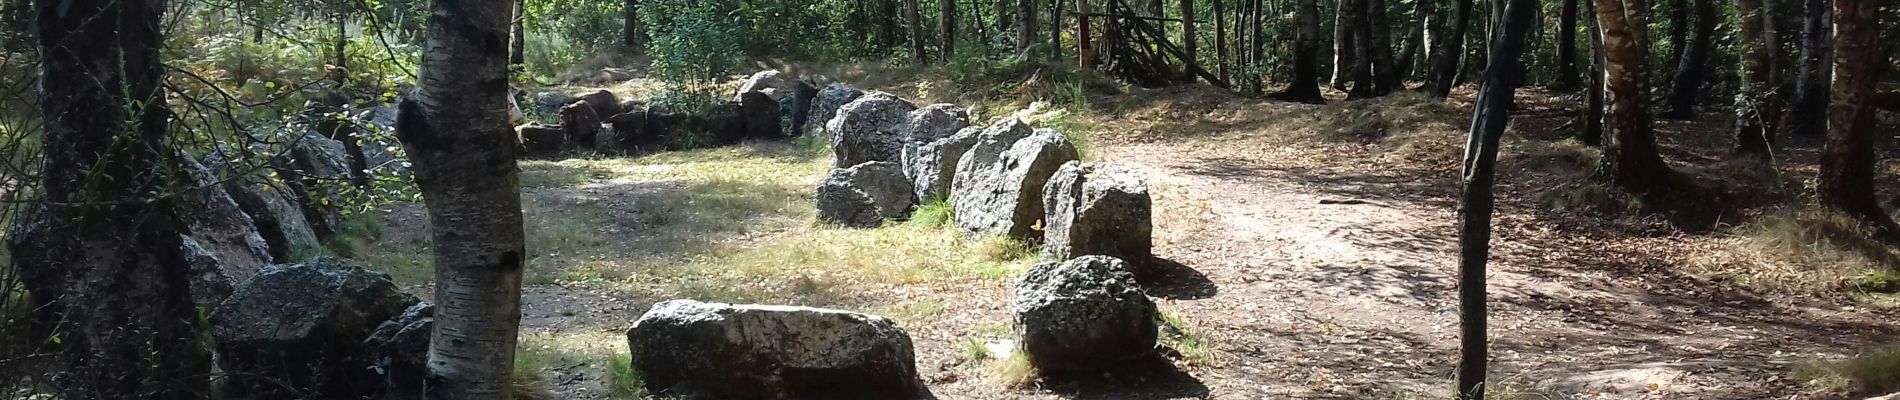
(1567, 77)
(1490, 115)
(636, 32)
(1190, 41)
(1414, 39)
(1258, 50)
(340, 48)
(1806, 113)
(947, 21)
(1220, 39)
(1678, 31)
(1026, 23)
(887, 19)
(455, 126)
(113, 263)
(1445, 69)
(1306, 44)
(915, 15)
(1694, 67)
(1631, 160)
(1377, 43)
(1590, 131)
(1345, 39)
(518, 39)
(1754, 128)
(1847, 160)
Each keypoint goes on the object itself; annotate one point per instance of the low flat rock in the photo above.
(864, 195)
(698, 350)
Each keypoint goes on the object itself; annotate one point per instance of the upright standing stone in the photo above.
(217, 222)
(933, 166)
(1083, 314)
(761, 116)
(998, 185)
(826, 103)
(581, 124)
(867, 130)
(1098, 209)
(864, 195)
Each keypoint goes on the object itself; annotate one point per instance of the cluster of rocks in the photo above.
(768, 106)
(321, 329)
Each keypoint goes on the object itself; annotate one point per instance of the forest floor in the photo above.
(1316, 248)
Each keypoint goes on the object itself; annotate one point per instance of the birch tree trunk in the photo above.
(1306, 44)
(1847, 160)
(455, 126)
(1631, 159)
(1753, 127)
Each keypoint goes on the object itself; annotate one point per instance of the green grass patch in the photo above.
(934, 214)
(1181, 336)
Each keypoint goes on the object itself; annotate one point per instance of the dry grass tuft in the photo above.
(1872, 372)
(1812, 251)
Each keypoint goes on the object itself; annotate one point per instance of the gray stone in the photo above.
(294, 330)
(798, 106)
(581, 124)
(628, 129)
(315, 170)
(1082, 314)
(928, 124)
(1098, 209)
(697, 350)
(867, 130)
(933, 166)
(997, 189)
(864, 195)
(541, 140)
(762, 81)
(271, 204)
(549, 102)
(826, 103)
(605, 104)
(397, 355)
(761, 115)
(216, 221)
(209, 284)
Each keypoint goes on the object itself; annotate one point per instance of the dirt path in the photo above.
(1336, 280)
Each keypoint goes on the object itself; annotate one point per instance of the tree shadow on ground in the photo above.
(1151, 377)
(1172, 280)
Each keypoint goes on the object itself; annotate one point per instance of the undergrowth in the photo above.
(1812, 250)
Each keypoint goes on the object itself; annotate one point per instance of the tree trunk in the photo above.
(636, 34)
(1345, 36)
(455, 126)
(1630, 159)
(1567, 78)
(340, 49)
(1190, 41)
(1694, 66)
(1306, 44)
(888, 33)
(113, 249)
(518, 42)
(1753, 127)
(1806, 115)
(1490, 115)
(947, 21)
(1220, 39)
(1258, 52)
(1414, 40)
(1445, 69)
(915, 16)
(1678, 31)
(1026, 23)
(1378, 45)
(1591, 131)
(1847, 160)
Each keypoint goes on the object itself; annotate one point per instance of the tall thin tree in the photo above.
(1566, 68)
(1754, 127)
(111, 248)
(1806, 114)
(1847, 160)
(1450, 51)
(915, 16)
(1306, 44)
(1345, 43)
(455, 126)
(1489, 116)
(947, 21)
(1694, 66)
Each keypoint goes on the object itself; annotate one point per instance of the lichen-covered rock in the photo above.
(700, 350)
(541, 140)
(217, 222)
(397, 355)
(997, 189)
(864, 195)
(726, 123)
(549, 102)
(933, 166)
(581, 124)
(867, 130)
(826, 103)
(761, 115)
(271, 205)
(209, 284)
(762, 81)
(293, 330)
(604, 103)
(314, 169)
(1098, 209)
(629, 130)
(928, 124)
(1082, 314)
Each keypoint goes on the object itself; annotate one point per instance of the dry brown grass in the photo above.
(1808, 250)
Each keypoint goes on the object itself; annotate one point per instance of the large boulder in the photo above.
(541, 140)
(997, 189)
(294, 330)
(604, 103)
(665, 125)
(761, 115)
(797, 106)
(933, 166)
(581, 124)
(397, 354)
(549, 102)
(928, 124)
(1098, 209)
(1082, 314)
(315, 167)
(867, 130)
(209, 285)
(762, 81)
(864, 195)
(629, 130)
(826, 103)
(694, 350)
(726, 123)
(271, 205)
(216, 221)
